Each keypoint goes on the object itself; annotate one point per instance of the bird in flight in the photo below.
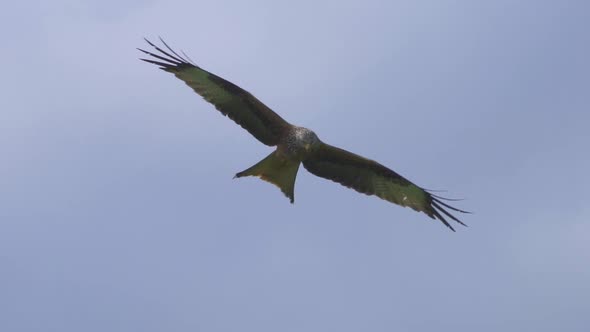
(297, 145)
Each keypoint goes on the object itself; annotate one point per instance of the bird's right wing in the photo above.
(228, 98)
(369, 177)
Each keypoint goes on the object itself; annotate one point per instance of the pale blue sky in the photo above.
(118, 211)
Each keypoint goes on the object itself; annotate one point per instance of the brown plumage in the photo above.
(296, 145)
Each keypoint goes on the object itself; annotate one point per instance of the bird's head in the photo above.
(301, 142)
(307, 139)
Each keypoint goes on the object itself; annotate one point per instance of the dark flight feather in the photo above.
(369, 177)
(350, 170)
(231, 100)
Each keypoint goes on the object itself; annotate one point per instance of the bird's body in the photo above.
(297, 145)
(280, 168)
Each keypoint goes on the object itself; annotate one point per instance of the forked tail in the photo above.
(277, 170)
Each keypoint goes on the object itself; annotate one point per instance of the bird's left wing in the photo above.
(228, 98)
(369, 177)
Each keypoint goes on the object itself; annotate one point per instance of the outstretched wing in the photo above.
(228, 98)
(371, 178)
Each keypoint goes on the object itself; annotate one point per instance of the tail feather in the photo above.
(279, 171)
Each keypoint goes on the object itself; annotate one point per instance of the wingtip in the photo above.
(149, 42)
(439, 212)
(142, 50)
(435, 199)
(170, 59)
(437, 216)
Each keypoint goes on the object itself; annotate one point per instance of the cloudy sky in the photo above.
(118, 211)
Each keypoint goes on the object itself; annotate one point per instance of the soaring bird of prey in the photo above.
(296, 145)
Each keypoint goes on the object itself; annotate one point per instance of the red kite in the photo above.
(296, 145)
